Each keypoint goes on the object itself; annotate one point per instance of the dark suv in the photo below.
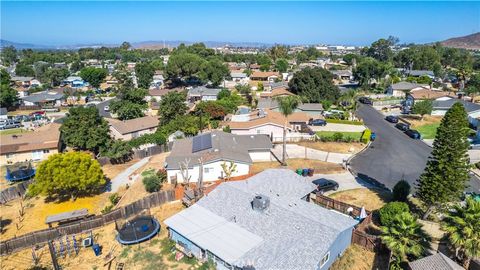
(317, 122)
(402, 126)
(413, 134)
(392, 119)
(324, 185)
(365, 100)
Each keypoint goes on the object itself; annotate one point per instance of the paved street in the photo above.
(393, 155)
(101, 108)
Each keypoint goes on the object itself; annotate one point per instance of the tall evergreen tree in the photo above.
(446, 173)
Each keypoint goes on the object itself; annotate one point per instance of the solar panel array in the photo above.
(201, 142)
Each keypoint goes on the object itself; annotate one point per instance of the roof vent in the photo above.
(260, 203)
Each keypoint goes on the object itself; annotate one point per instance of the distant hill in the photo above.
(20, 46)
(470, 42)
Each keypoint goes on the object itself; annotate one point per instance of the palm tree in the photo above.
(287, 106)
(405, 237)
(463, 227)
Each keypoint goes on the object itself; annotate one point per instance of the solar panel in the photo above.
(201, 142)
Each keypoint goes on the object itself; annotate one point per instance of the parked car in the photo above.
(317, 122)
(10, 124)
(413, 134)
(106, 108)
(392, 118)
(402, 126)
(365, 100)
(324, 185)
(37, 113)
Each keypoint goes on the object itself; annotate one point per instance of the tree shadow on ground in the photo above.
(4, 223)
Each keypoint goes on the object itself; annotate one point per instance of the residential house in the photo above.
(440, 107)
(47, 98)
(157, 94)
(268, 76)
(314, 110)
(426, 94)
(418, 73)
(22, 81)
(207, 152)
(275, 93)
(342, 75)
(268, 122)
(401, 89)
(157, 81)
(264, 222)
(75, 81)
(236, 78)
(36, 145)
(437, 261)
(203, 93)
(270, 86)
(133, 128)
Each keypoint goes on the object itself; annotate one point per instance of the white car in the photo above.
(106, 108)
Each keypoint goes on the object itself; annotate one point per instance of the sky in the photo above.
(349, 23)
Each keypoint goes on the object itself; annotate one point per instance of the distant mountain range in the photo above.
(470, 42)
(142, 45)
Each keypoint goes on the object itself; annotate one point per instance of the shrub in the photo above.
(390, 210)
(337, 136)
(401, 191)
(153, 183)
(114, 198)
(366, 136)
(107, 209)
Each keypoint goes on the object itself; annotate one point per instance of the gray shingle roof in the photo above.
(437, 262)
(3, 111)
(43, 96)
(203, 91)
(405, 86)
(225, 146)
(418, 73)
(296, 234)
(446, 104)
(311, 107)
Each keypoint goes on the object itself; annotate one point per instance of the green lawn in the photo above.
(12, 131)
(428, 131)
(353, 135)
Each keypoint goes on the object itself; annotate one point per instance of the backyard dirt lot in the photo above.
(356, 257)
(321, 167)
(371, 199)
(335, 147)
(153, 254)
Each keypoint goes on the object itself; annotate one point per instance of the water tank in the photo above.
(260, 203)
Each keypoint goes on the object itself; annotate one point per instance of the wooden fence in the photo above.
(96, 221)
(359, 236)
(142, 153)
(13, 192)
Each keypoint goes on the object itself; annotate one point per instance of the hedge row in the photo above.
(339, 121)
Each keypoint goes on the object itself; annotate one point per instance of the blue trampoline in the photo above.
(19, 171)
(138, 230)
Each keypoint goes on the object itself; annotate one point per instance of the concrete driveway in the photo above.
(297, 151)
(123, 178)
(345, 181)
(393, 155)
(338, 127)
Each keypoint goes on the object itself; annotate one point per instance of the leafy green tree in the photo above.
(8, 96)
(446, 173)
(231, 102)
(183, 66)
(93, 75)
(211, 109)
(281, 65)
(85, 129)
(423, 107)
(188, 124)
(214, 71)
(117, 151)
(24, 70)
(405, 237)
(462, 225)
(9, 55)
(278, 51)
(144, 72)
(56, 75)
(130, 102)
(380, 50)
(171, 106)
(4, 77)
(153, 182)
(125, 46)
(369, 69)
(390, 210)
(314, 85)
(287, 106)
(224, 93)
(71, 174)
(76, 66)
(401, 190)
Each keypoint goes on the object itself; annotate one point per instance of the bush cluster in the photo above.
(153, 182)
(392, 209)
(337, 137)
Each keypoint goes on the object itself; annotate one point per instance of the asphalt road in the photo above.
(101, 108)
(393, 155)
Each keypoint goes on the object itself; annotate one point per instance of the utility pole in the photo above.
(52, 254)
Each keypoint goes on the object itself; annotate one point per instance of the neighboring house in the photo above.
(268, 122)
(314, 110)
(75, 81)
(440, 107)
(401, 89)
(3, 114)
(270, 86)
(237, 77)
(268, 76)
(202, 93)
(437, 261)
(157, 81)
(277, 92)
(342, 75)
(426, 94)
(36, 145)
(22, 81)
(213, 149)
(157, 94)
(419, 73)
(44, 99)
(133, 128)
(264, 222)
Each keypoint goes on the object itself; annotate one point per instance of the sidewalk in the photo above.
(123, 178)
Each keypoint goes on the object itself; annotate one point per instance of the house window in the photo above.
(46, 151)
(325, 259)
(207, 169)
(10, 155)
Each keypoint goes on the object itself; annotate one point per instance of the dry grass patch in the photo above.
(427, 120)
(356, 257)
(371, 199)
(335, 147)
(112, 170)
(293, 164)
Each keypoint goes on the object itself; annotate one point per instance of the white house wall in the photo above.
(212, 172)
(260, 156)
(265, 129)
